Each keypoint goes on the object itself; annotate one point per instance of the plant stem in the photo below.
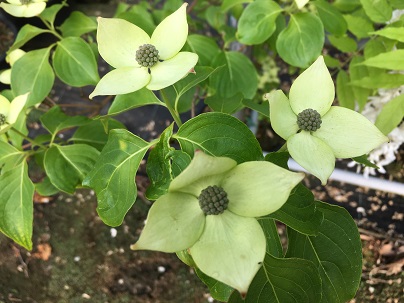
(172, 111)
(28, 138)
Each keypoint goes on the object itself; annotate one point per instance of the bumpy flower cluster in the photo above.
(213, 200)
(147, 55)
(309, 119)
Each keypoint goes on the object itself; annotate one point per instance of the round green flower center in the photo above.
(147, 55)
(309, 120)
(2, 119)
(213, 200)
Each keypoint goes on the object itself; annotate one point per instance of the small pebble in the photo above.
(114, 232)
(77, 259)
(161, 269)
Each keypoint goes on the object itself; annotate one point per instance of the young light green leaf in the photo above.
(391, 116)
(74, 62)
(113, 176)
(269, 285)
(228, 4)
(56, 120)
(358, 72)
(49, 14)
(225, 105)
(237, 76)
(220, 135)
(345, 44)
(359, 26)
(394, 33)
(393, 60)
(364, 161)
(332, 19)
(257, 22)
(46, 188)
(378, 11)
(32, 73)
(123, 103)
(380, 80)
(9, 156)
(16, 206)
(77, 24)
(344, 91)
(140, 16)
(26, 33)
(66, 166)
(301, 42)
(205, 47)
(336, 251)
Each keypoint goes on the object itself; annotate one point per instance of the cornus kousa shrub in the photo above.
(218, 200)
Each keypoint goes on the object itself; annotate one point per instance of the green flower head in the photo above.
(24, 8)
(316, 132)
(9, 111)
(139, 60)
(211, 209)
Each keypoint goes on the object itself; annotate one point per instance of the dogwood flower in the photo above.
(11, 58)
(141, 61)
(24, 8)
(9, 111)
(316, 132)
(210, 209)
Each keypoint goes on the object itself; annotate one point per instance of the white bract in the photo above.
(119, 43)
(11, 58)
(9, 111)
(343, 133)
(24, 8)
(228, 246)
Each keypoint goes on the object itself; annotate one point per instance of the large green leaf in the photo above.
(225, 105)
(393, 60)
(237, 76)
(359, 26)
(77, 24)
(129, 101)
(33, 73)
(358, 72)
(345, 94)
(257, 22)
(74, 62)
(9, 156)
(26, 33)
(380, 80)
(301, 42)
(394, 33)
(332, 19)
(391, 116)
(227, 4)
(336, 251)
(283, 280)
(345, 43)
(113, 176)
(49, 13)
(219, 135)
(66, 166)
(378, 11)
(16, 205)
(201, 74)
(205, 47)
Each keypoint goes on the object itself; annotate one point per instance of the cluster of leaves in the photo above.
(239, 46)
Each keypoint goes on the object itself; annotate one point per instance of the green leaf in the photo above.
(26, 33)
(139, 16)
(364, 161)
(33, 73)
(74, 62)
(345, 93)
(16, 205)
(346, 5)
(262, 107)
(278, 158)
(394, 33)
(66, 166)
(159, 166)
(331, 62)
(393, 60)
(9, 156)
(225, 105)
(391, 116)
(358, 72)
(46, 188)
(94, 133)
(201, 74)
(56, 120)
(359, 26)
(283, 280)
(237, 76)
(380, 80)
(49, 14)
(344, 44)
(205, 47)
(301, 42)
(179, 161)
(257, 22)
(228, 4)
(218, 290)
(113, 176)
(123, 103)
(219, 135)
(77, 24)
(332, 19)
(299, 212)
(398, 4)
(336, 251)
(378, 11)
(274, 245)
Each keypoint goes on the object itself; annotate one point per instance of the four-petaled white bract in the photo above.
(344, 133)
(11, 110)
(21, 8)
(118, 40)
(230, 246)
